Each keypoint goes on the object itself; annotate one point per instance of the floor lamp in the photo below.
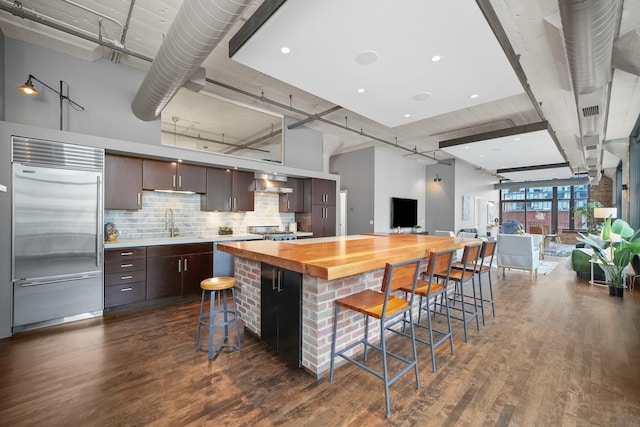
(605, 213)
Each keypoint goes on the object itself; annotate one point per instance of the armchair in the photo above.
(517, 252)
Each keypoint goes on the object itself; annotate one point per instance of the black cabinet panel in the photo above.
(281, 308)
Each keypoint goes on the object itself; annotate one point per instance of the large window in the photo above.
(549, 207)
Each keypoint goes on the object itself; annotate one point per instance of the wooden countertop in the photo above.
(336, 257)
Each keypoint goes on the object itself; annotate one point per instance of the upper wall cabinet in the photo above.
(228, 190)
(294, 201)
(122, 182)
(160, 175)
(319, 192)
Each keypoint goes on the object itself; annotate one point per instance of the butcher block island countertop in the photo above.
(327, 268)
(333, 258)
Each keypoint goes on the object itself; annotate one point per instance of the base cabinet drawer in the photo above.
(114, 279)
(124, 294)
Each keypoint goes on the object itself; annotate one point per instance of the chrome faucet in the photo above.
(169, 224)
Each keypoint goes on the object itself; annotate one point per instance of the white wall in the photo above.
(105, 89)
(440, 197)
(475, 184)
(357, 177)
(396, 176)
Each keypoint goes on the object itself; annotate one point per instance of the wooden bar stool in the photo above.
(429, 289)
(218, 286)
(486, 253)
(388, 309)
(470, 258)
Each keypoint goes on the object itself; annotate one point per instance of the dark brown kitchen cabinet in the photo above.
(323, 192)
(228, 191)
(176, 176)
(125, 276)
(174, 270)
(323, 221)
(319, 216)
(122, 182)
(294, 201)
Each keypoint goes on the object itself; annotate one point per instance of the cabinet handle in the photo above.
(126, 289)
(235, 204)
(288, 206)
(230, 204)
(185, 265)
(126, 265)
(179, 266)
(173, 181)
(280, 273)
(126, 253)
(179, 181)
(273, 280)
(139, 199)
(126, 277)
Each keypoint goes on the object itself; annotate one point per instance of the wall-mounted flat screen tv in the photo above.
(404, 212)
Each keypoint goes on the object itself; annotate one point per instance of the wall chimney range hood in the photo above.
(267, 183)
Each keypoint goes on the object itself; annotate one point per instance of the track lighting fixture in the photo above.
(437, 178)
(28, 89)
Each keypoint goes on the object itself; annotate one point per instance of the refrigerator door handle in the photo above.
(48, 282)
(99, 236)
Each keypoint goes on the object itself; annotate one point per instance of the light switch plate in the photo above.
(3, 188)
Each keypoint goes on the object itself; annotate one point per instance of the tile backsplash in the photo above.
(149, 222)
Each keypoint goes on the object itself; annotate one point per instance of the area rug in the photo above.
(559, 250)
(546, 267)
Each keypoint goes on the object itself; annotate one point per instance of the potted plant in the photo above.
(416, 228)
(616, 257)
(225, 229)
(586, 212)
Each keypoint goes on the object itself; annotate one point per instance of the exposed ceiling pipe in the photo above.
(317, 117)
(196, 30)
(21, 12)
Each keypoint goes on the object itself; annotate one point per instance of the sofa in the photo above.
(519, 252)
(581, 256)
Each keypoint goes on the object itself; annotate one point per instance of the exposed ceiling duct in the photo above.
(625, 53)
(196, 30)
(589, 32)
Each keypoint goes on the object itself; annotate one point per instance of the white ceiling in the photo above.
(405, 35)
(389, 56)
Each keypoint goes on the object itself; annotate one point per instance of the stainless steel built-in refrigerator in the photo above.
(57, 238)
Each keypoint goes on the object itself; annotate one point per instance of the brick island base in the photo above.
(317, 311)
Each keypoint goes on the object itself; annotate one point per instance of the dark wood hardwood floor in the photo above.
(560, 352)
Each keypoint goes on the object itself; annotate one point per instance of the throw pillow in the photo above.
(602, 243)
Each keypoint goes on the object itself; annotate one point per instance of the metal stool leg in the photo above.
(212, 307)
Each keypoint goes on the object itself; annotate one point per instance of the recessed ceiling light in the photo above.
(406, 116)
(436, 58)
(367, 57)
(481, 155)
(422, 96)
(516, 139)
(466, 147)
(474, 96)
(361, 90)
(285, 50)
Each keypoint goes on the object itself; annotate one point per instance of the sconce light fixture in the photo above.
(28, 89)
(437, 178)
